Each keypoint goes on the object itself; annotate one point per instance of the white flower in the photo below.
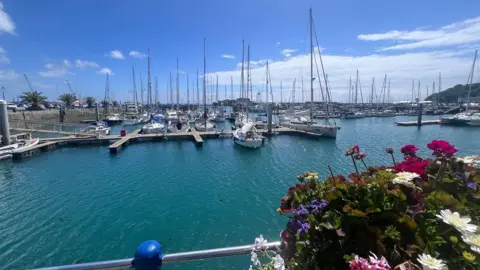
(430, 263)
(279, 263)
(251, 268)
(254, 258)
(460, 223)
(473, 240)
(259, 242)
(405, 178)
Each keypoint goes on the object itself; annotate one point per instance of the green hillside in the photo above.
(452, 94)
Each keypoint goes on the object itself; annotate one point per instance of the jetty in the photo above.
(416, 123)
(115, 147)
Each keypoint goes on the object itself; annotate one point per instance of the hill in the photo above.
(452, 94)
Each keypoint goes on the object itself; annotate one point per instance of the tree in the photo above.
(34, 98)
(90, 101)
(68, 99)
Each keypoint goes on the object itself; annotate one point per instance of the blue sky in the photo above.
(56, 40)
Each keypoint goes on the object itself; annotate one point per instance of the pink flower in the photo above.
(389, 150)
(360, 155)
(409, 150)
(442, 148)
(359, 263)
(356, 149)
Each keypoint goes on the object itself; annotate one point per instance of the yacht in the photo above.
(301, 123)
(97, 128)
(261, 122)
(172, 116)
(132, 120)
(247, 136)
(459, 119)
(113, 118)
(153, 128)
(475, 120)
(201, 125)
(17, 143)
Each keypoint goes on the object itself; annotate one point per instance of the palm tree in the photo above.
(34, 98)
(90, 101)
(68, 99)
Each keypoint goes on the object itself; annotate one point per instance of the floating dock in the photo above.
(118, 142)
(415, 123)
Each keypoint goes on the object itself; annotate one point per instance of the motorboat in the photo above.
(113, 118)
(353, 115)
(99, 128)
(386, 113)
(172, 116)
(153, 128)
(459, 119)
(301, 123)
(204, 125)
(261, 122)
(247, 136)
(475, 120)
(17, 143)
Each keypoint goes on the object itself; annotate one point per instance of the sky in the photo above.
(52, 41)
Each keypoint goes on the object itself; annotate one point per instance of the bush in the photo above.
(419, 213)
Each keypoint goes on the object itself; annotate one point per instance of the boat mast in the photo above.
(242, 76)
(471, 80)
(248, 70)
(418, 91)
(135, 99)
(356, 90)
(178, 88)
(311, 65)
(198, 93)
(231, 87)
(156, 90)
(141, 89)
(413, 88)
(216, 91)
(439, 88)
(204, 86)
(188, 94)
(171, 90)
(149, 93)
(303, 92)
(281, 93)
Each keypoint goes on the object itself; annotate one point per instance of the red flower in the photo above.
(360, 155)
(442, 148)
(409, 149)
(413, 165)
(356, 149)
(389, 150)
(356, 179)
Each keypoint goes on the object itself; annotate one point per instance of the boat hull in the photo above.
(255, 142)
(323, 130)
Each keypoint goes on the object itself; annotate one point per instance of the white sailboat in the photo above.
(301, 123)
(247, 136)
(153, 128)
(203, 124)
(475, 120)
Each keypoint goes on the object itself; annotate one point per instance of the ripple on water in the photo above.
(81, 204)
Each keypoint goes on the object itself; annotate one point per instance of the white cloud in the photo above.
(459, 33)
(67, 63)
(288, 52)
(3, 56)
(105, 71)
(8, 75)
(85, 64)
(6, 23)
(136, 54)
(227, 56)
(277, 44)
(54, 70)
(401, 68)
(116, 54)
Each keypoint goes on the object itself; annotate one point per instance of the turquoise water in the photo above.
(80, 204)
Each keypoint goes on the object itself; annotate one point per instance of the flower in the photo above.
(472, 185)
(405, 178)
(259, 242)
(430, 263)
(360, 155)
(409, 150)
(442, 148)
(389, 150)
(356, 149)
(359, 263)
(468, 256)
(412, 164)
(378, 263)
(473, 240)
(317, 207)
(454, 219)
(301, 210)
(254, 258)
(279, 263)
(286, 235)
(304, 227)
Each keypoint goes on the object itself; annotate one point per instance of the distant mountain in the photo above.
(452, 94)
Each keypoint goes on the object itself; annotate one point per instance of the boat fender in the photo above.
(148, 256)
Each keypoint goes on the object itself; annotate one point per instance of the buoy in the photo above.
(148, 256)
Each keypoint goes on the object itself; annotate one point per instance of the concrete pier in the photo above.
(115, 147)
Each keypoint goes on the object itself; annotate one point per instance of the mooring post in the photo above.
(269, 118)
(97, 113)
(5, 128)
(420, 110)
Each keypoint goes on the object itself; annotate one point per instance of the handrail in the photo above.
(169, 258)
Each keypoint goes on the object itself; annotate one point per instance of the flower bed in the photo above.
(419, 213)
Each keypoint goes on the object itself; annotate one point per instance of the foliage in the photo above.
(412, 214)
(34, 98)
(68, 99)
(90, 101)
(452, 94)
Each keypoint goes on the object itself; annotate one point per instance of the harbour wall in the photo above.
(53, 116)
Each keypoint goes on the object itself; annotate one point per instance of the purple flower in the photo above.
(304, 227)
(460, 176)
(294, 224)
(316, 207)
(301, 210)
(472, 185)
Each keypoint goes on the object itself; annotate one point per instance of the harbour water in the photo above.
(80, 204)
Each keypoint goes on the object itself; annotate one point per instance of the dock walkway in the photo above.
(116, 146)
(415, 123)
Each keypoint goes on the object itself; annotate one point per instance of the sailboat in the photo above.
(247, 136)
(153, 127)
(462, 118)
(203, 124)
(301, 123)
